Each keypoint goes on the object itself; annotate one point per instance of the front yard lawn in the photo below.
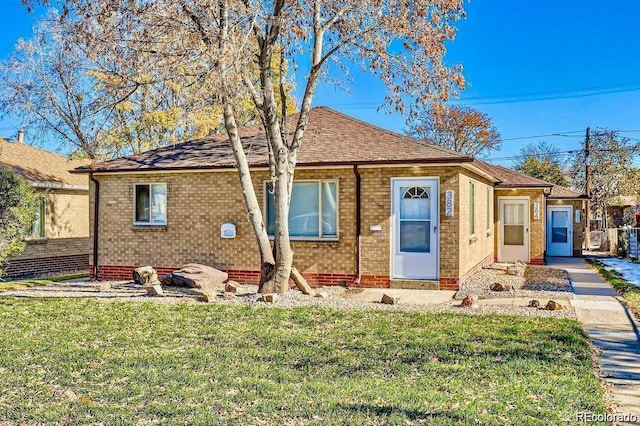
(83, 361)
(36, 282)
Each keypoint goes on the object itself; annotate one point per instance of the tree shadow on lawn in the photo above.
(382, 411)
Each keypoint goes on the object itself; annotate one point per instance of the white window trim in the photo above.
(490, 212)
(151, 222)
(472, 217)
(333, 238)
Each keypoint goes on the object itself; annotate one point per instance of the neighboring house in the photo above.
(369, 207)
(59, 239)
(536, 218)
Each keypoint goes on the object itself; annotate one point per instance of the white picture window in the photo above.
(150, 204)
(313, 212)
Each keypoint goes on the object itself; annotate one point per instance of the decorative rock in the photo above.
(300, 282)
(193, 275)
(322, 295)
(515, 270)
(534, 303)
(146, 276)
(229, 295)
(471, 301)
(390, 300)
(520, 264)
(553, 306)
(155, 290)
(231, 287)
(208, 296)
(501, 287)
(270, 297)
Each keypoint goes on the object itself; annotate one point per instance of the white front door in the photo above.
(513, 214)
(559, 235)
(415, 229)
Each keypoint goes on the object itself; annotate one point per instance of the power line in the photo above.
(561, 153)
(520, 98)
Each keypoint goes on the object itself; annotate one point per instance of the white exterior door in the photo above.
(415, 229)
(513, 214)
(559, 232)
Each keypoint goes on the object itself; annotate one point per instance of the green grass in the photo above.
(629, 292)
(83, 361)
(35, 282)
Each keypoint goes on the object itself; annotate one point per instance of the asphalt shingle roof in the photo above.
(40, 166)
(512, 179)
(332, 138)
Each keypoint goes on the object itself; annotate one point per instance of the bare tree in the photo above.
(46, 87)
(461, 129)
(232, 45)
(613, 172)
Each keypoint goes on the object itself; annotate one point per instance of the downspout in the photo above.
(356, 172)
(96, 210)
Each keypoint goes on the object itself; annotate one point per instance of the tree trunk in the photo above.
(267, 262)
(282, 244)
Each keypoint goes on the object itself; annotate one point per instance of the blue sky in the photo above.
(556, 50)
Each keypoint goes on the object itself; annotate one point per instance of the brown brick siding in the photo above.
(474, 249)
(198, 203)
(67, 214)
(66, 244)
(26, 267)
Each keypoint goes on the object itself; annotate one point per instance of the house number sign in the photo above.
(536, 211)
(448, 208)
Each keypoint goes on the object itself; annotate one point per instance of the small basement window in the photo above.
(313, 213)
(150, 204)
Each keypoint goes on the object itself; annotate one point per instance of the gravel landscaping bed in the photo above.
(337, 298)
(538, 282)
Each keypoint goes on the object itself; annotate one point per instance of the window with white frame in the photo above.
(489, 209)
(313, 213)
(38, 228)
(150, 204)
(472, 208)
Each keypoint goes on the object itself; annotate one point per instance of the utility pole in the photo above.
(587, 188)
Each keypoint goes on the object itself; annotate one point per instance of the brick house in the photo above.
(59, 239)
(369, 207)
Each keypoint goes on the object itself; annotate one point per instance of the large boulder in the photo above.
(194, 275)
(146, 276)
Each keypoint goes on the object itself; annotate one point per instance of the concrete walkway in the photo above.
(611, 328)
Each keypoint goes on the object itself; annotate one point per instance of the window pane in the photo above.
(559, 227)
(329, 209)
(415, 236)
(271, 210)
(415, 203)
(513, 235)
(513, 214)
(472, 208)
(304, 211)
(37, 231)
(142, 203)
(159, 203)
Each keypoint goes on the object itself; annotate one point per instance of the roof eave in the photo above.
(81, 170)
